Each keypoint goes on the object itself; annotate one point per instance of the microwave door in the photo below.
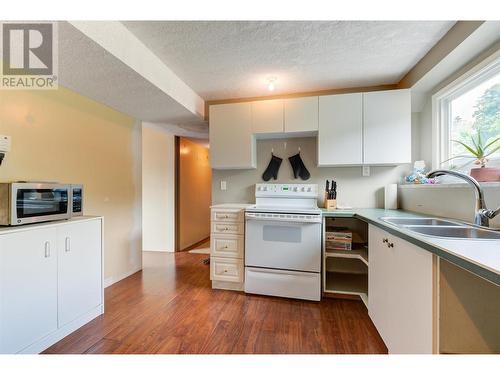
(32, 204)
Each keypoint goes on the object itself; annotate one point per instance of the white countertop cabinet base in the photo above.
(50, 282)
(79, 269)
(28, 288)
(400, 293)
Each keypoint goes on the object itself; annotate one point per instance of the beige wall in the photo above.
(195, 178)
(62, 136)
(353, 189)
(158, 188)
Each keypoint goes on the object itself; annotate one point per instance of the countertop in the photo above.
(47, 224)
(481, 257)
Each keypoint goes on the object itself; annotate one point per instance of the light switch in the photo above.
(5, 142)
(223, 185)
(366, 170)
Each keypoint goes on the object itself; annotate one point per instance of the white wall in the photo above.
(158, 189)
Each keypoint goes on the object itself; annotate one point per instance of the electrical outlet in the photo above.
(223, 185)
(366, 170)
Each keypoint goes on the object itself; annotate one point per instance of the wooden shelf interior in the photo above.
(361, 254)
(346, 276)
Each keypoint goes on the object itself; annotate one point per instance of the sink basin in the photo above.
(455, 232)
(418, 221)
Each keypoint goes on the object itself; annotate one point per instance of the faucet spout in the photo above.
(482, 215)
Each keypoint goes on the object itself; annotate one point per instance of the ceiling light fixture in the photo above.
(271, 83)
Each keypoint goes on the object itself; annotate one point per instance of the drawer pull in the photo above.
(390, 244)
(225, 271)
(385, 240)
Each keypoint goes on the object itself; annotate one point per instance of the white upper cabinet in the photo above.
(387, 127)
(340, 136)
(267, 116)
(232, 144)
(301, 114)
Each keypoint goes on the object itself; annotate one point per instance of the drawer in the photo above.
(226, 269)
(227, 246)
(281, 283)
(228, 215)
(227, 228)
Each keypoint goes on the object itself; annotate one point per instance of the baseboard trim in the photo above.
(112, 280)
(62, 332)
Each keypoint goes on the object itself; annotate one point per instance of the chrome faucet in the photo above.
(482, 215)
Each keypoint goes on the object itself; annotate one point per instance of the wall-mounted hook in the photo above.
(299, 149)
(272, 150)
(284, 144)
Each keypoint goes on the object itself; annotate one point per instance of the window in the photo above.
(468, 116)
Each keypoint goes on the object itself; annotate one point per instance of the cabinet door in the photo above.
(340, 136)
(232, 144)
(387, 127)
(79, 269)
(267, 116)
(400, 293)
(381, 278)
(301, 114)
(28, 288)
(413, 299)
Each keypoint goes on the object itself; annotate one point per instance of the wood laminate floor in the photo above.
(169, 307)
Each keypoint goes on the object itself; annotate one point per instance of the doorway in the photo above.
(193, 177)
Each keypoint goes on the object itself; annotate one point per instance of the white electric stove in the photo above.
(283, 242)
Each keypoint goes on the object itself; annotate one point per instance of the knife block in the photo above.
(330, 204)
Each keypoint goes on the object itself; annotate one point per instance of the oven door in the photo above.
(288, 242)
(37, 202)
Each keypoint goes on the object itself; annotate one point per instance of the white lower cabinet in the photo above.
(50, 282)
(79, 269)
(227, 246)
(400, 293)
(28, 288)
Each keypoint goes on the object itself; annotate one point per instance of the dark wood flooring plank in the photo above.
(169, 307)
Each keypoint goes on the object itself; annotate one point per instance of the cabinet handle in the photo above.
(47, 249)
(390, 244)
(385, 240)
(67, 244)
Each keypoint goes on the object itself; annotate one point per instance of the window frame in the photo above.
(441, 103)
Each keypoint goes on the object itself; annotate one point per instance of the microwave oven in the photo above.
(34, 202)
(76, 200)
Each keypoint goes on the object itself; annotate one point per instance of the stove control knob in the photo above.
(295, 188)
(265, 188)
(309, 190)
(303, 189)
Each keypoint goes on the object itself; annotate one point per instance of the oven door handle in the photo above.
(313, 220)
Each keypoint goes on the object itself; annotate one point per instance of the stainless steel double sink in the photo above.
(437, 227)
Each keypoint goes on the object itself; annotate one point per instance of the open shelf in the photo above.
(347, 283)
(361, 254)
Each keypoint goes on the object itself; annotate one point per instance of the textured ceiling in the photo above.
(87, 68)
(230, 59)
